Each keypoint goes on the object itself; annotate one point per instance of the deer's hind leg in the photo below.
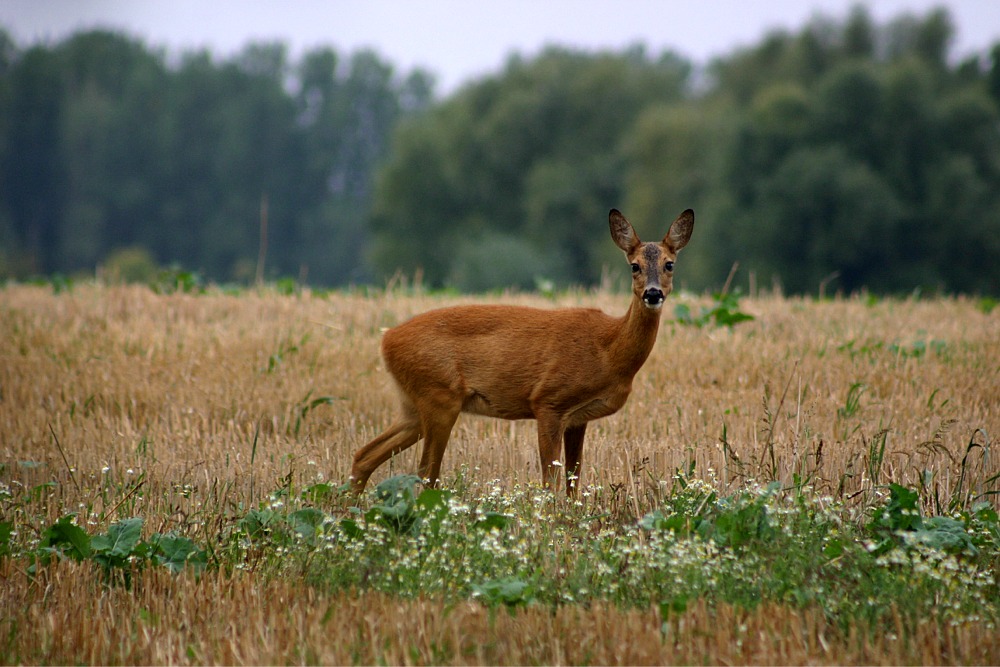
(438, 413)
(403, 433)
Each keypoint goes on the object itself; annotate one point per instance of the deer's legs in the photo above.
(437, 425)
(550, 435)
(398, 437)
(573, 442)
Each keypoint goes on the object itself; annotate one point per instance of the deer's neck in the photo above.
(635, 337)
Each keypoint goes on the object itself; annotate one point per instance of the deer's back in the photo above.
(500, 359)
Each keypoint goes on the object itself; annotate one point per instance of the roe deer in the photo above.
(562, 367)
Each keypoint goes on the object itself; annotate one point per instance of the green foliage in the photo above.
(845, 185)
(853, 401)
(105, 145)
(308, 524)
(724, 312)
(57, 281)
(6, 530)
(530, 154)
(307, 405)
(258, 524)
(497, 261)
(118, 551)
(176, 280)
(512, 547)
(396, 506)
(508, 591)
(399, 508)
(114, 548)
(176, 552)
(736, 522)
(825, 158)
(286, 286)
(64, 539)
(131, 265)
(914, 350)
(286, 348)
(900, 523)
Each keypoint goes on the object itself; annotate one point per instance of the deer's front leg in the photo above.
(573, 440)
(550, 436)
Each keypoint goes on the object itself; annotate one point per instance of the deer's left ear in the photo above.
(622, 232)
(680, 231)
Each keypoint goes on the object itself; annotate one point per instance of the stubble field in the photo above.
(818, 484)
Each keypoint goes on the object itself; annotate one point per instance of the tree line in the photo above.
(843, 156)
(106, 145)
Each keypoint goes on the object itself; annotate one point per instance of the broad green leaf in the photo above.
(492, 520)
(67, 538)
(306, 521)
(397, 487)
(256, 523)
(432, 500)
(946, 534)
(120, 540)
(508, 590)
(6, 528)
(176, 552)
(318, 492)
(351, 528)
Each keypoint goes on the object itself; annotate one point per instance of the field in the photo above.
(817, 484)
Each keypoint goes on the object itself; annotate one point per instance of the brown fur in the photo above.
(562, 367)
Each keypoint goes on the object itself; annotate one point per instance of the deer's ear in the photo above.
(622, 232)
(680, 231)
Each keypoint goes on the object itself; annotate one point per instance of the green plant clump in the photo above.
(523, 546)
(119, 551)
(724, 312)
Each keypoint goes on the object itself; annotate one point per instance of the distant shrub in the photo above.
(133, 264)
(496, 261)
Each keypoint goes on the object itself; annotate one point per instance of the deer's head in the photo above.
(652, 263)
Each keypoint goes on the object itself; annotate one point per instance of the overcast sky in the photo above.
(457, 40)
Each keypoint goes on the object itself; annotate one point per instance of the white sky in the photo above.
(457, 40)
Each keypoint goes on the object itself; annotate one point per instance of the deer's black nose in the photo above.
(653, 297)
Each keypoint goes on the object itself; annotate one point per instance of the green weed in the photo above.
(852, 404)
(511, 547)
(724, 312)
(286, 348)
(916, 349)
(986, 304)
(118, 551)
(509, 591)
(307, 405)
(176, 280)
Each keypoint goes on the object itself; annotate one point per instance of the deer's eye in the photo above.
(669, 266)
(635, 268)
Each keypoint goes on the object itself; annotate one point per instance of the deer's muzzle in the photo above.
(653, 297)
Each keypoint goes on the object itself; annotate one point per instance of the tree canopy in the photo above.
(104, 146)
(847, 154)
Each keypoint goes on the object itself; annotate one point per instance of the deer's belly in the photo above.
(603, 405)
(479, 404)
(574, 412)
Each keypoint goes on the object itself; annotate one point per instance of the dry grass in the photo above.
(235, 619)
(207, 402)
(178, 386)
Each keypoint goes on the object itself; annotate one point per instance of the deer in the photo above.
(562, 367)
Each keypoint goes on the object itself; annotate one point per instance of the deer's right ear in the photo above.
(622, 233)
